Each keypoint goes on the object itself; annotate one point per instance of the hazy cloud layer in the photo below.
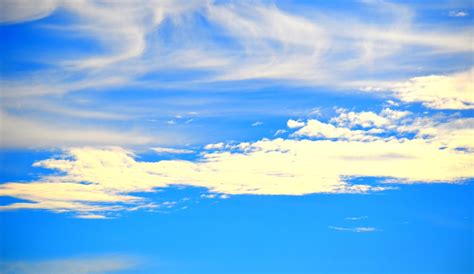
(79, 265)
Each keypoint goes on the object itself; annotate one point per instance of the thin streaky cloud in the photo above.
(356, 218)
(168, 150)
(458, 13)
(359, 229)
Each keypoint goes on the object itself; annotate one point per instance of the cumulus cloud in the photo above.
(96, 181)
(364, 119)
(220, 145)
(454, 91)
(316, 128)
(294, 124)
(369, 121)
(390, 124)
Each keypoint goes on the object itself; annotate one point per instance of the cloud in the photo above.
(12, 11)
(458, 13)
(91, 216)
(167, 150)
(17, 131)
(78, 265)
(220, 145)
(279, 132)
(256, 124)
(364, 119)
(101, 180)
(265, 41)
(361, 229)
(294, 124)
(316, 128)
(454, 91)
(391, 124)
(356, 218)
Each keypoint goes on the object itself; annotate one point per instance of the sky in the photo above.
(212, 136)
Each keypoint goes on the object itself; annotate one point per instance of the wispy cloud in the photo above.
(17, 131)
(359, 229)
(458, 13)
(167, 150)
(356, 218)
(12, 11)
(267, 42)
(263, 40)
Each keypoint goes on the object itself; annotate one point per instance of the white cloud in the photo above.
(458, 13)
(256, 124)
(91, 216)
(310, 47)
(295, 124)
(78, 265)
(266, 167)
(390, 124)
(315, 128)
(387, 118)
(279, 132)
(355, 229)
(453, 134)
(17, 131)
(13, 11)
(220, 145)
(364, 119)
(356, 218)
(455, 91)
(168, 150)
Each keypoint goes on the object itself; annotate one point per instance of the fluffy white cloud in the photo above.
(220, 145)
(454, 91)
(315, 128)
(390, 124)
(95, 181)
(295, 124)
(342, 126)
(364, 119)
(386, 119)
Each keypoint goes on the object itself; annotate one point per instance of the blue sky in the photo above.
(236, 137)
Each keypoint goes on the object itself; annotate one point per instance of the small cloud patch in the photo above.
(458, 13)
(359, 229)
